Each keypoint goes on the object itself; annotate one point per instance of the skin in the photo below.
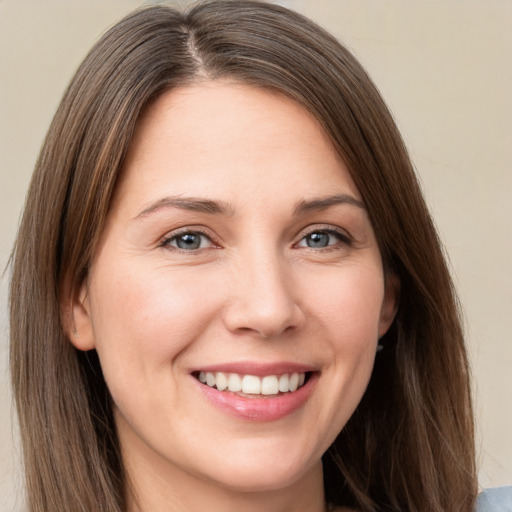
(252, 290)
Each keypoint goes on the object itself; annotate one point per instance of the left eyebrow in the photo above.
(326, 202)
(195, 204)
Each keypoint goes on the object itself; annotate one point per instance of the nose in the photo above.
(263, 300)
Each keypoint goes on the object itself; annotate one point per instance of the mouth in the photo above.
(254, 386)
(253, 391)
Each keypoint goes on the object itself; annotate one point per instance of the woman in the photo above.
(241, 301)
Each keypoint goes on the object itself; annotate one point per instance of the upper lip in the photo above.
(256, 368)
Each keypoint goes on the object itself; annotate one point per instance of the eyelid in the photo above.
(313, 228)
(199, 230)
(345, 237)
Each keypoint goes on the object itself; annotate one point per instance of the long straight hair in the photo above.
(409, 445)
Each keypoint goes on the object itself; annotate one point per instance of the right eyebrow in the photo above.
(322, 203)
(195, 204)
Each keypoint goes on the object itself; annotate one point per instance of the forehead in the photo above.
(229, 139)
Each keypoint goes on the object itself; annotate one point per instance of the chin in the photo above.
(264, 467)
(257, 479)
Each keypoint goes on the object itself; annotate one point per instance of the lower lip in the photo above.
(267, 408)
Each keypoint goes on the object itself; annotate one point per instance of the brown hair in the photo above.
(409, 445)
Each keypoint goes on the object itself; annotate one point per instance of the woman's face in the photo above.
(237, 251)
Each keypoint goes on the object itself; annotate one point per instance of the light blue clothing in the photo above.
(498, 499)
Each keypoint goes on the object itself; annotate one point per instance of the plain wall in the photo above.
(444, 68)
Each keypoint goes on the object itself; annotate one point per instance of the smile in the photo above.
(253, 391)
(266, 385)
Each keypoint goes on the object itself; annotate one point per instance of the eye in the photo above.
(188, 241)
(322, 238)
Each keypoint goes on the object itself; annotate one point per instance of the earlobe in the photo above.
(77, 319)
(389, 304)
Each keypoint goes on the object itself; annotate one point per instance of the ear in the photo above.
(389, 304)
(76, 316)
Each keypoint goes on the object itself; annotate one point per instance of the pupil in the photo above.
(188, 241)
(318, 240)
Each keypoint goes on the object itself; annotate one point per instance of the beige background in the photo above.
(444, 68)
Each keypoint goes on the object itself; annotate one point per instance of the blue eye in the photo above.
(189, 241)
(321, 239)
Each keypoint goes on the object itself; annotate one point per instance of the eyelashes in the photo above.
(189, 240)
(192, 240)
(323, 238)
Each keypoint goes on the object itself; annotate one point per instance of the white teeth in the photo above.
(221, 381)
(284, 383)
(234, 382)
(294, 381)
(253, 385)
(210, 379)
(269, 385)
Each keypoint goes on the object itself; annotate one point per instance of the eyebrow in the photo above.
(323, 203)
(211, 206)
(194, 204)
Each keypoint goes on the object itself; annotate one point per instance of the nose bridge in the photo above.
(262, 298)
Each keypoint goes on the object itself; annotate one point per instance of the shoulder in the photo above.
(498, 499)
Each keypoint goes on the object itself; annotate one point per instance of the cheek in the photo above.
(348, 303)
(348, 312)
(143, 320)
(345, 305)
